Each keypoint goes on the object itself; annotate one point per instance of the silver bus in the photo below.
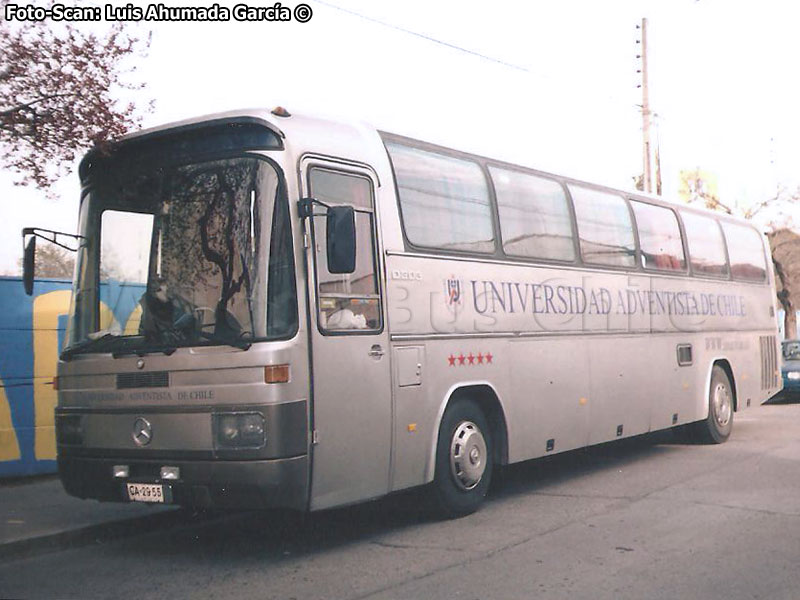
(274, 310)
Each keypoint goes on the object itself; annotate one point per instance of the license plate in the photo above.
(146, 492)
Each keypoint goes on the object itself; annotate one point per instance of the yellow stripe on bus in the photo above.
(9, 445)
(46, 310)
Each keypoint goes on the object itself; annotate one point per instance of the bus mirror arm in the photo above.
(29, 251)
(305, 207)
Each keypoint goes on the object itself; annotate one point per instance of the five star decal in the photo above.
(470, 359)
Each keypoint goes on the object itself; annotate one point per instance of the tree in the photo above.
(785, 246)
(53, 261)
(58, 90)
(699, 187)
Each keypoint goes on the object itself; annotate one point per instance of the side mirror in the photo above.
(29, 265)
(341, 239)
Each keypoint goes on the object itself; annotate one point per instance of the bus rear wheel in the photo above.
(463, 460)
(716, 428)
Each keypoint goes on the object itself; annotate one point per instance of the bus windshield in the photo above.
(184, 255)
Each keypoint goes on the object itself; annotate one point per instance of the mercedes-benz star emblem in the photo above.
(142, 432)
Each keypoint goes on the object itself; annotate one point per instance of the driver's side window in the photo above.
(351, 301)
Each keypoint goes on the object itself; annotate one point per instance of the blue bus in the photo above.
(31, 335)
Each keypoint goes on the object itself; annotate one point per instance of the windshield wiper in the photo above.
(85, 345)
(141, 351)
(167, 342)
(170, 349)
(166, 346)
(227, 340)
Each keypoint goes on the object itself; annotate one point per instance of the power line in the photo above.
(428, 38)
(452, 46)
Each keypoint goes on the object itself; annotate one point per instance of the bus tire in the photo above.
(463, 460)
(716, 428)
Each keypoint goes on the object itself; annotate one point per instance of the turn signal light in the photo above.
(276, 374)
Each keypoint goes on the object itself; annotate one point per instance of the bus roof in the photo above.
(356, 141)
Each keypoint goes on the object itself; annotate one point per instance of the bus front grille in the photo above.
(153, 379)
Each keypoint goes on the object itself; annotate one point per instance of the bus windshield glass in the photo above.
(185, 255)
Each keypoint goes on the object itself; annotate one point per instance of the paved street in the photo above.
(648, 518)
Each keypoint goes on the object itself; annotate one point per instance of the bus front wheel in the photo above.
(716, 428)
(463, 460)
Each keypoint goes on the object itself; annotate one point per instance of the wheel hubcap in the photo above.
(467, 455)
(722, 405)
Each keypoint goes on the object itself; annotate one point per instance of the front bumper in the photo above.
(203, 484)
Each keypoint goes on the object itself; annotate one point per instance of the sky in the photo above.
(551, 85)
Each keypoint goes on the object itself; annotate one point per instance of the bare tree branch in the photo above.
(59, 94)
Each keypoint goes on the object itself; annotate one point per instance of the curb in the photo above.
(92, 534)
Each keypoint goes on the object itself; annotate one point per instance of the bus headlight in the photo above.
(240, 430)
(69, 429)
(793, 375)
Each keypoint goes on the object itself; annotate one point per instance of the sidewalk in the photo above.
(37, 516)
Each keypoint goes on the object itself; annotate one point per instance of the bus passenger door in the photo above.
(351, 388)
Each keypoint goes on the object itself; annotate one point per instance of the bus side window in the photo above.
(746, 252)
(706, 248)
(659, 237)
(604, 227)
(349, 301)
(534, 216)
(444, 201)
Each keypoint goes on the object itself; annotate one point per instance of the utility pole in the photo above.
(646, 179)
